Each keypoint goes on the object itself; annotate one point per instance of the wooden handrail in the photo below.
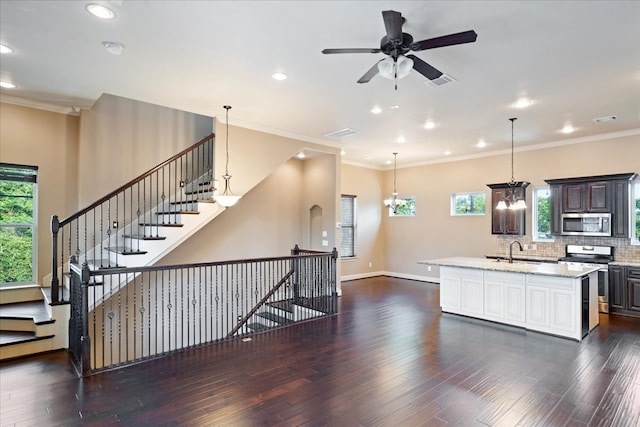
(134, 181)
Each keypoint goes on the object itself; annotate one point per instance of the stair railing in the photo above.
(166, 309)
(114, 225)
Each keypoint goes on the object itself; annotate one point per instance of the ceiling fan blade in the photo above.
(448, 40)
(425, 69)
(393, 24)
(371, 73)
(353, 50)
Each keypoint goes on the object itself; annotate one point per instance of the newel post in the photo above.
(55, 282)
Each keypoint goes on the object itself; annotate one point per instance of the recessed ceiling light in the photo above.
(342, 152)
(100, 11)
(113, 47)
(395, 107)
(429, 125)
(568, 129)
(522, 103)
(447, 153)
(300, 155)
(279, 76)
(401, 140)
(5, 49)
(388, 162)
(481, 144)
(7, 85)
(376, 110)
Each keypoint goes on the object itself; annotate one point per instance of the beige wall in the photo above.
(50, 141)
(434, 233)
(122, 138)
(319, 188)
(367, 185)
(267, 221)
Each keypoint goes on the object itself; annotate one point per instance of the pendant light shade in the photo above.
(227, 198)
(511, 201)
(393, 202)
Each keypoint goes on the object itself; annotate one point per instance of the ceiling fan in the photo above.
(396, 44)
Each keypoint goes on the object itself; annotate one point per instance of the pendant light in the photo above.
(227, 198)
(511, 201)
(393, 202)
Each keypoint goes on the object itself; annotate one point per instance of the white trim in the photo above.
(390, 274)
(8, 99)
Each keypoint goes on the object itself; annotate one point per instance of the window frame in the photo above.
(535, 206)
(634, 213)
(352, 226)
(30, 175)
(469, 194)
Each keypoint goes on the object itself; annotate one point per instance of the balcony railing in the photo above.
(150, 312)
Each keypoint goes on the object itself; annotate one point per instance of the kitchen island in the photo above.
(551, 298)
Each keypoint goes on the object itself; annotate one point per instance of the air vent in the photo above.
(441, 81)
(341, 133)
(605, 119)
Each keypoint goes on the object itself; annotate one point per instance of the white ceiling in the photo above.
(578, 60)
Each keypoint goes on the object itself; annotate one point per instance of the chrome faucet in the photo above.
(511, 250)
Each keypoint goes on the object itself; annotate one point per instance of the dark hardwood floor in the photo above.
(389, 358)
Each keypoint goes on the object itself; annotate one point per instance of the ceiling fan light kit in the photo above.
(396, 45)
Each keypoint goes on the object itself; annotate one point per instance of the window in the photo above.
(635, 214)
(17, 223)
(406, 209)
(541, 214)
(468, 203)
(348, 226)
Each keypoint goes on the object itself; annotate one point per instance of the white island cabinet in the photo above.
(550, 298)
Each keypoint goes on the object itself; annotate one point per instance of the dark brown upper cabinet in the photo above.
(508, 221)
(597, 194)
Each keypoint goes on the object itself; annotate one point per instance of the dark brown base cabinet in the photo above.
(624, 290)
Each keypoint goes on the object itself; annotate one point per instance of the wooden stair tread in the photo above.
(274, 318)
(35, 310)
(103, 263)
(148, 224)
(124, 250)
(257, 327)
(285, 305)
(179, 212)
(142, 236)
(14, 337)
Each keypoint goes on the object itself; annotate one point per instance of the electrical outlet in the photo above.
(428, 268)
(370, 264)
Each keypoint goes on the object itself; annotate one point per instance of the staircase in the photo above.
(284, 312)
(28, 322)
(133, 226)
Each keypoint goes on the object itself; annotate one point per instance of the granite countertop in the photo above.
(542, 268)
(524, 258)
(626, 263)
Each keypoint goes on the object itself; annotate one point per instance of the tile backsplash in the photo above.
(623, 249)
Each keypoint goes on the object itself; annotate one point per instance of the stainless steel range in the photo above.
(595, 257)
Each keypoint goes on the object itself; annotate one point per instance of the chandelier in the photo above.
(511, 201)
(394, 202)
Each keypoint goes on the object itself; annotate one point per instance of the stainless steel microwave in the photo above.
(586, 224)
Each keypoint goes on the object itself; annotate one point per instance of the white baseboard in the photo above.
(390, 274)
